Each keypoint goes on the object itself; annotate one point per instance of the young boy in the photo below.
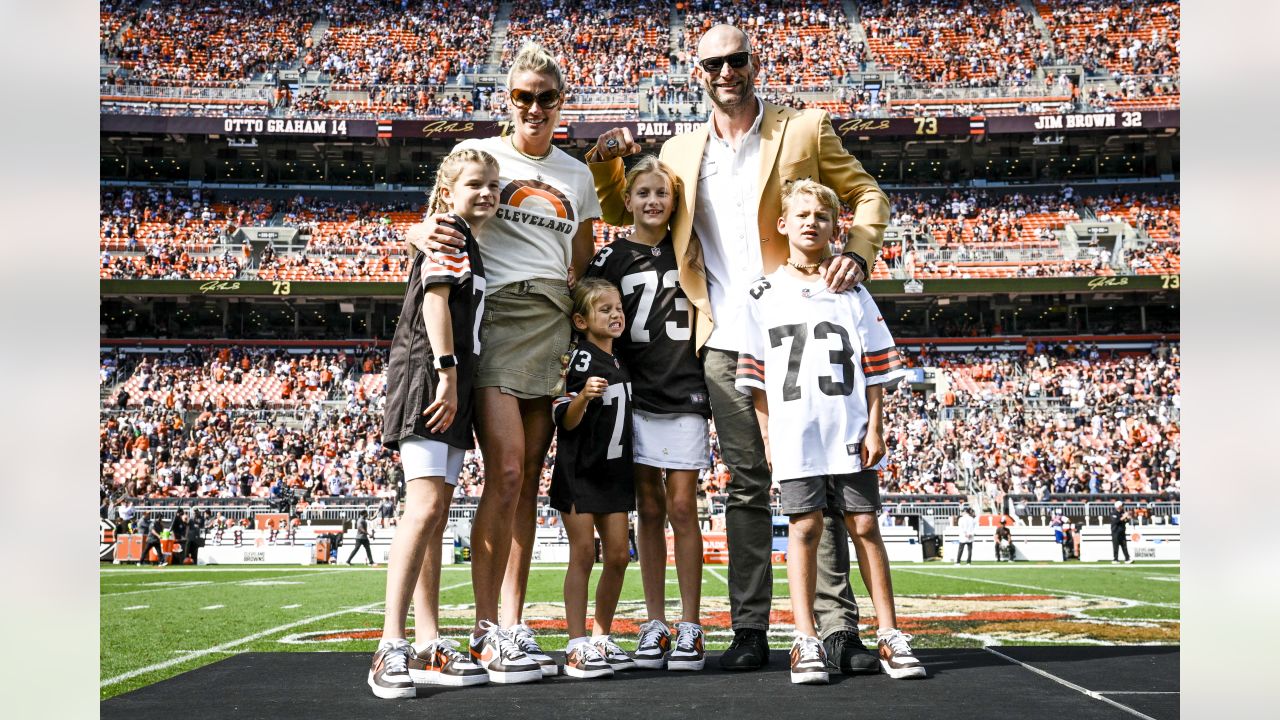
(815, 363)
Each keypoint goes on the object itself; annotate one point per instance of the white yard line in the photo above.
(213, 607)
(1067, 683)
(290, 607)
(137, 607)
(207, 583)
(234, 643)
(1077, 593)
(718, 575)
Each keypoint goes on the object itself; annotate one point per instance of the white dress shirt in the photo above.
(726, 222)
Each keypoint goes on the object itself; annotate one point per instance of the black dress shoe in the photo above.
(847, 653)
(748, 651)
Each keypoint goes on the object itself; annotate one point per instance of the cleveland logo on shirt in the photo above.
(538, 204)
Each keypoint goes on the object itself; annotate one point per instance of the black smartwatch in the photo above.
(444, 362)
(862, 263)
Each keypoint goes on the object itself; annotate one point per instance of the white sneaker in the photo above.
(389, 672)
(585, 661)
(652, 646)
(617, 658)
(440, 663)
(523, 635)
(690, 651)
(808, 661)
(896, 657)
(501, 657)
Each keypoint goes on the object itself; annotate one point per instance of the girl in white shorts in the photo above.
(428, 418)
(670, 417)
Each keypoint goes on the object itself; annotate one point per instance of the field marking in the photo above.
(203, 583)
(1162, 578)
(290, 607)
(717, 575)
(213, 607)
(136, 607)
(1067, 683)
(194, 654)
(1130, 601)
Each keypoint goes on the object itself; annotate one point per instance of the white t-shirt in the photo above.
(814, 353)
(541, 204)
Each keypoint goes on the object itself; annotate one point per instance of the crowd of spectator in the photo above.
(381, 42)
(194, 42)
(1069, 418)
(959, 43)
(599, 43)
(807, 43)
(1055, 418)
(1139, 38)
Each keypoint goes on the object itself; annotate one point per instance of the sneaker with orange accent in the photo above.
(585, 660)
(524, 637)
(389, 673)
(440, 663)
(652, 646)
(896, 657)
(690, 650)
(617, 658)
(809, 661)
(501, 657)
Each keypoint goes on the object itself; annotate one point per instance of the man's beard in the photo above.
(733, 104)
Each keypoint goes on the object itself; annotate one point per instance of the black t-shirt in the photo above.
(1118, 523)
(593, 460)
(411, 374)
(658, 344)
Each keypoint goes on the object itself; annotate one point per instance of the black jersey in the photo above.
(658, 345)
(593, 472)
(411, 374)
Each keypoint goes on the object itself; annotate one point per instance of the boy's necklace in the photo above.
(805, 268)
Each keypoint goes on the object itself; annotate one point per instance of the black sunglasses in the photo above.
(737, 61)
(547, 99)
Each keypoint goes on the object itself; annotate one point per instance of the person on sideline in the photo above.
(968, 528)
(539, 241)
(725, 236)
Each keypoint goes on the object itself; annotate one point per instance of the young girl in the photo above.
(670, 416)
(428, 418)
(591, 484)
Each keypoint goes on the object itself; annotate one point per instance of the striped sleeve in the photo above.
(880, 366)
(447, 268)
(560, 406)
(750, 371)
(881, 362)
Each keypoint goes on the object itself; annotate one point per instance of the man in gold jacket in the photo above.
(731, 173)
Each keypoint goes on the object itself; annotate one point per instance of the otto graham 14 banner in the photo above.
(658, 130)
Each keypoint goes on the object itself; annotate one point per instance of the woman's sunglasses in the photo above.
(547, 99)
(737, 61)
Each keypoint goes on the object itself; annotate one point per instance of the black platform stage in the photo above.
(1019, 682)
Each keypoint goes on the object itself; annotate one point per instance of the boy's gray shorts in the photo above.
(836, 494)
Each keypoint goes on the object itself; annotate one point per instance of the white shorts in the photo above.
(423, 458)
(672, 441)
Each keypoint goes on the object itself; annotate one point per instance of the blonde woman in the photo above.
(539, 240)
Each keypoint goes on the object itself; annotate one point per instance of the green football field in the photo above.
(159, 622)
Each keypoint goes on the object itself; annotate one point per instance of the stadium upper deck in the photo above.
(383, 58)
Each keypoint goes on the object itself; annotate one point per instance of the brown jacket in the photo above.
(794, 144)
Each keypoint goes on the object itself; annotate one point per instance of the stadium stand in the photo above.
(971, 43)
(606, 44)
(807, 43)
(376, 42)
(195, 42)
(1058, 418)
